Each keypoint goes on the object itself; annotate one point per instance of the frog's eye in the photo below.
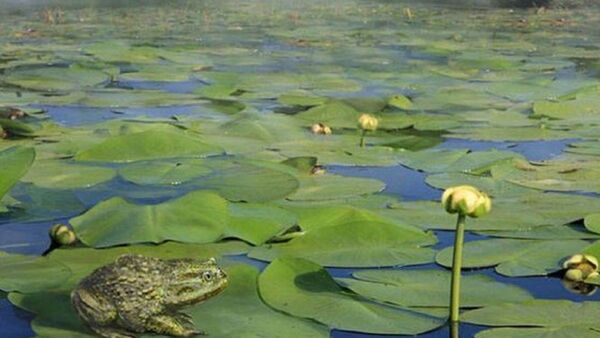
(207, 276)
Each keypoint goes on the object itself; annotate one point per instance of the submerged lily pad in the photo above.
(515, 257)
(304, 289)
(430, 288)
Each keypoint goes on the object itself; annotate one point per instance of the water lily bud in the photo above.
(368, 122)
(62, 235)
(466, 200)
(581, 267)
(320, 128)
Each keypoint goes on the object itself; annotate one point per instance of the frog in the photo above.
(136, 294)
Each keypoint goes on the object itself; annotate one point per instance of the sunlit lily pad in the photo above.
(169, 173)
(147, 145)
(515, 257)
(304, 289)
(66, 175)
(430, 288)
(354, 244)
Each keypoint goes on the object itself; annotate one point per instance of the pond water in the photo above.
(152, 103)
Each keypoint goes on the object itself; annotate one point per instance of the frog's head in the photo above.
(193, 281)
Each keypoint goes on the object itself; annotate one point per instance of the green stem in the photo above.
(456, 267)
(454, 333)
(362, 138)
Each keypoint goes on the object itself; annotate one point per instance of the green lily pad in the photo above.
(55, 78)
(257, 223)
(400, 101)
(328, 186)
(198, 217)
(430, 288)
(515, 257)
(538, 318)
(56, 174)
(15, 163)
(354, 244)
(252, 181)
(304, 289)
(22, 272)
(164, 173)
(147, 145)
(446, 161)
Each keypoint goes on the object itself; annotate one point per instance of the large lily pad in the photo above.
(430, 288)
(55, 174)
(146, 145)
(304, 289)
(354, 244)
(164, 173)
(55, 78)
(515, 257)
(199, 217)
(538, 318)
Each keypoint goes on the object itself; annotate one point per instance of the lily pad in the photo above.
(198, 217)
(56, 174)
(328, 186)
(22, 272)
(147, 145)
(354, 244)
(515, 257)
(304, 289)
(164, 173)
(15, 163)
(430, 288)
(538, 318)
(59, 79)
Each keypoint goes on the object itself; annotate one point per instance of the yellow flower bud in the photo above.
(320, 128)
(581, 267)
(368, 122)
(62, 235)
(466, 200)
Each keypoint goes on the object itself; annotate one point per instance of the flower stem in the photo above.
(456, 267)
(362, 138)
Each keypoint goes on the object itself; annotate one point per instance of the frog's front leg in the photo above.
(177, 325)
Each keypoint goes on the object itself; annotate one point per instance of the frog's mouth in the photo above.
(216, 291)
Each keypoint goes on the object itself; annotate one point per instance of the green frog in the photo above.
(137, 294)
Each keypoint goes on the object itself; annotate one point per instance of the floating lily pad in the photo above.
(22, 272)
(55, 174)
(252, 181)
(328, 186)
(168, 173)
(430, 288)
(515, 257)
(538, 318)
(199, 217)
(354, 244)
(304, 289)
(15, 163)
(147, 145)
(55, 78)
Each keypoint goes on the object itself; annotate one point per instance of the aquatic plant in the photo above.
(580, 267)
(367, 122)
(465, 201)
